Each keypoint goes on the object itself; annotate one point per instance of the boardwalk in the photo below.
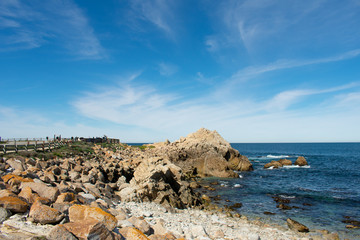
(30, 145)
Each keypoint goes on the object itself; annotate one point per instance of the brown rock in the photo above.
(28, 195)
(89, 229)
(301, 161)
(285, 162)
(7, 193)
(59, 232)
(204, 153)
(135, 234)
(65, 197)
(13, 204)
(15, 179)
(274, 164)
(284, 207)
(44, 214)
(296, 226)
(42, 189)
(78, 213)
(141, 224)
(16, 164)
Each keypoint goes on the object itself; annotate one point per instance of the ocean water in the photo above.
(322, 194)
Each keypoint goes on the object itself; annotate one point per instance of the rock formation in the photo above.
(301, 161)
(204, 153)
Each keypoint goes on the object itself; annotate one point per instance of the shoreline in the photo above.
(185, 223)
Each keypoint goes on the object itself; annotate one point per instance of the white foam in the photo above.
(296, 166)
(272, 167)
(241, 176)
(237, 185)
(284, 196)
(277, 156)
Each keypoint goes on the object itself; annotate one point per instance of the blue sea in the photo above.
(321, 194)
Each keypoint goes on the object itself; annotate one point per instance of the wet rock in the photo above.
(284, 207)
(269, 213)
(352, 222)
(274, 164)
(13, 204)
(296, 226)
(281, 200)
(285, 162)
(236, 205)
(44, 214)
(301, 161)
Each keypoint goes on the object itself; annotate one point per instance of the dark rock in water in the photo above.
(284, 207)
(352, 226)
(237, 205)
(307, 204)
(352, 222)
(281, 200)
(296, 226)
(269, 213)
(301, 161)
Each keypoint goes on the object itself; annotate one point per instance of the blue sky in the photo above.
(144, 71)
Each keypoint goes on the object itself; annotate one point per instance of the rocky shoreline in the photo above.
(124, 192)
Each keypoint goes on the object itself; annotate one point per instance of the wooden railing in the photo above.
(31, 145)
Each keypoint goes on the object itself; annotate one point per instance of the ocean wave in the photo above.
(277, 156)
(296, 166)
(285, 196)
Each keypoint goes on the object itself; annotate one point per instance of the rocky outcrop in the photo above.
(273, 164)
(204, 153)
(301, 161)
(296, 226)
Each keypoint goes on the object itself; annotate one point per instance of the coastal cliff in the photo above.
(87, 191)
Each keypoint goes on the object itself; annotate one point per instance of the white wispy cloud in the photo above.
(145, 107)
(167, 69)
(26, 25)
(253, 71)
(161, 13)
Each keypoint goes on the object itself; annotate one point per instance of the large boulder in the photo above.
(89, 229)
(204, 153)
(273, 164)
(42, 189)
(80, 213)
(43, 214)
(301, 161)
